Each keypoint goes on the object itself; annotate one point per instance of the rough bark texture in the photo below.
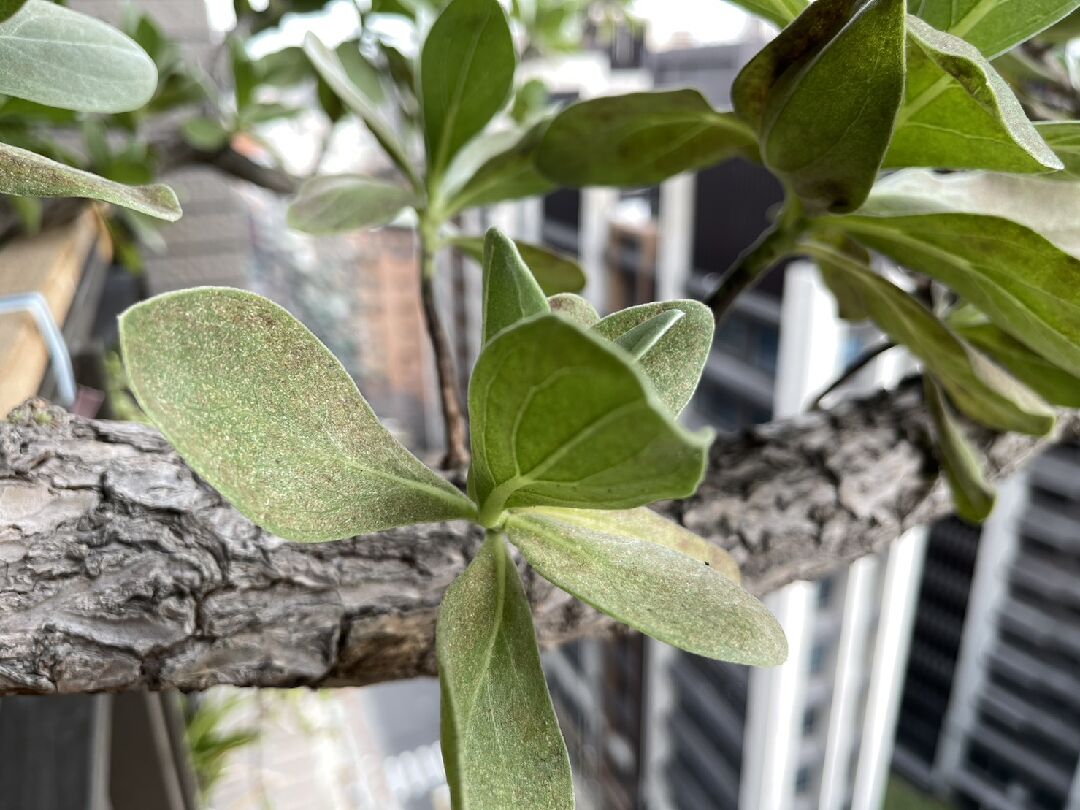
(120, 569)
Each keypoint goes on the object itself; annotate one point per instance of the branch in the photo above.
(122, 570)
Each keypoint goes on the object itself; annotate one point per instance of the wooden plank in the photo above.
(50, 263)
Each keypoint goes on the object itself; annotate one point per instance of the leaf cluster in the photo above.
(574, 432)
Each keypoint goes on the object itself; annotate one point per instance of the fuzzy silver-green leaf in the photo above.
(341, 203)
(649, 586)
(28, 174)
(61, 58)
(511, 293)
(674, 362)
(993, 26)
(501, 742)
(562, 417)
(554, 272)
(264, 412)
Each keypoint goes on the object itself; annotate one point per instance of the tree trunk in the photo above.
(120, 569)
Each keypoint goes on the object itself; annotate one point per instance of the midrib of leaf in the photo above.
(495, 502)
(924, 99)
(978, 273)
(498, 549)
(459, 90)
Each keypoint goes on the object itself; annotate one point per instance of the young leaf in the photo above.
(337, 203)
(562, 417)
(958, 113)
(28, 174)
(639, 139)
(973, 496)
(1024, 283)
(509, 174)
(511, 294)
(575, 308)
(640, 340)
(1064, 138)
(652, 588)
(674, 362)
(779, 12)
(61, 58)
(466, 75)
(501, 742)
(328, 65)
(993, 26)
(554, 272)
(1053, 384)
(264, 412)
(646, 525)
(980, 389)
(824, 126)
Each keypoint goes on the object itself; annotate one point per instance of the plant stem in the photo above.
(865, 359)
(778, 242)
(457, 446)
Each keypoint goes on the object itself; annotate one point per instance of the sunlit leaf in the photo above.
(59, 57)
(265, 413)
(675, 360)
(29, 174)
(466, 75)
(501, 742)
(824, 124)
(993, 26)
(562, 417)
(510, 173)
(338, 203)
(973, 496)
(647, 585)
(639, 139)
(958, 113)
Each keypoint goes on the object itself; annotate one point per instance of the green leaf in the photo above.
(328, 65)
(245, 80)
(1064, 138)
(958, 113)
(501, 742)
(973, 496)
(779, 12)
(993, 26)
(823, 96)
(849, 303)
(674, 362)
(576, 308)
(205, 134)
(978, 387)
(1023, 282)
(1044, 205)
(509, 174)
(511, 293)
(1053, 384)
(466, 74)
(55, 56)
(264, 412)
(554, 272)
(9, 7)
(28, 174)
(646, 525)
(652, 588)
(639, 139)
(346, 202)
(562, 417)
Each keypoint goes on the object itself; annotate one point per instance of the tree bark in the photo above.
(120, 569)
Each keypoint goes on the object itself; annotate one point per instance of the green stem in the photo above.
(457, 441)
(778, 242)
